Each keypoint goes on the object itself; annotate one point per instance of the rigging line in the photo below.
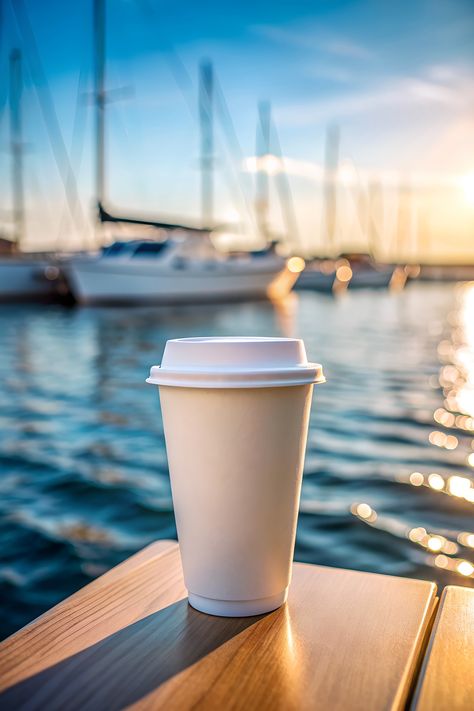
(182, 78)
(43, 199)
(3, 94)
(234, 146)
(48, 111)
(127, 148)
(179, 71)
(119, 116)
(230, 177)
(3, 72)
(285, 194)
(366, 194)
(77, 142)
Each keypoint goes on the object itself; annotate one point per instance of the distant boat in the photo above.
(184, 268)
(24, 277)
(367, 274)
(319, 275)
(446, 272)
(326, 275)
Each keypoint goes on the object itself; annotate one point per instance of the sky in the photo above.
(396, 77)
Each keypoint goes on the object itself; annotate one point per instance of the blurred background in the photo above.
(302, 169)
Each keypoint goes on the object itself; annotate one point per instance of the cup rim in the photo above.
(310, 374)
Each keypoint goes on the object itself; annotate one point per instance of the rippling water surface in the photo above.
(83, 473)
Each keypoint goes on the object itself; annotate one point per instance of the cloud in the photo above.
(399, 94)
(442, 72)
(329, 72)
(345, 48)
(313, 37)
(348, 174)
(273, 165)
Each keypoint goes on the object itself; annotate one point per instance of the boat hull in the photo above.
(96, 282)
(371, 279)
(23, 279)
(447, 272)
(315, 280)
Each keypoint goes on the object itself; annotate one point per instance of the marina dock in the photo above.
(345, 640)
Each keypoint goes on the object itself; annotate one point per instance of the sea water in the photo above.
(388, 474)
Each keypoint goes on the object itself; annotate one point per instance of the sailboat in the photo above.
(23, 276)
(367, 273)
(322, 274)
(185, 266)
(349, 270)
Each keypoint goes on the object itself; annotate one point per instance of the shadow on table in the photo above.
(129, 664)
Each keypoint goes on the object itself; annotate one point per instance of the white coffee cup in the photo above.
(235, 414)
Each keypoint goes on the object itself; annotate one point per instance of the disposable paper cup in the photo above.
(235, 414)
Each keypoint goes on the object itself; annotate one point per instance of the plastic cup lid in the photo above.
(235, 363)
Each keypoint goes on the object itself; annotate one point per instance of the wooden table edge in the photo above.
(429, 648)
(419, 660)
(151, 552)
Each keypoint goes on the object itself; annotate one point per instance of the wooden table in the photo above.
(447, 679)
(345, 640)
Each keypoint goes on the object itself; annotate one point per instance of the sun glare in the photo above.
(467, 183)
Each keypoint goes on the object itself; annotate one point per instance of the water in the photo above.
(83, 472)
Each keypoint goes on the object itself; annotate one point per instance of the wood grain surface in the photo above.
(447, 677)
(345, 640)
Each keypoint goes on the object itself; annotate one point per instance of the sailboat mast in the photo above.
(263, 150)
(99, 97)
(403, 223)
(16, 145)
(331, 164)
(206, 91)
(373, 226)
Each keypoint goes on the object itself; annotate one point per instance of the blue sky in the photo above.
(396, 76)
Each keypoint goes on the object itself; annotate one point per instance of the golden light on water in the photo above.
(455, 565)
(458, 486)
(465, 568)
(455, 485)
(464, 422)
(450, 548)
(364, 512)
(436, 482)
(295, 264)
(442, 561)
(456, 379)
(457, 375)
(440, 439)
(466, 539)
(417, 479)
(417, 534)
(451, 442)
(434, 542)
(443, 548)
(443, 417)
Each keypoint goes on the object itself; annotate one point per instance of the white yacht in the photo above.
(185, 267)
